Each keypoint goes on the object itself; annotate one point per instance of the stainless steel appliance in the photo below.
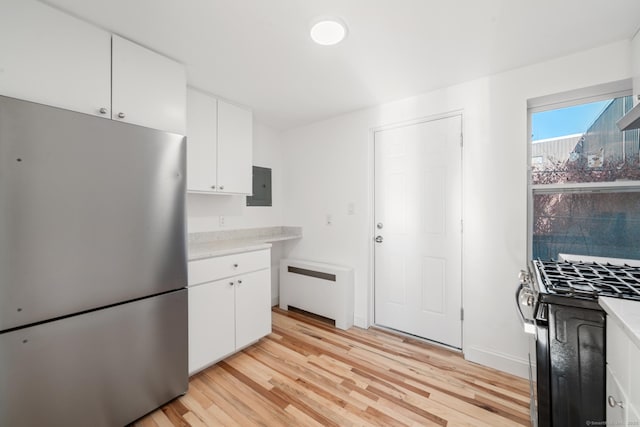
(558, 302)
(93, 304)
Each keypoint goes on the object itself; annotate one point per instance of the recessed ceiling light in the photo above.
(328, 32)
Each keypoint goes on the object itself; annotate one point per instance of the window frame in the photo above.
(564, 100)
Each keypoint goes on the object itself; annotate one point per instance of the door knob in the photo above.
(379, 239)
(379, 226)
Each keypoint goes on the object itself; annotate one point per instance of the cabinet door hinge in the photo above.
(462, 314)
(461, 140)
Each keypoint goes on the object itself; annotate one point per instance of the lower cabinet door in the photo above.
(211, 323)
(253, 307)
(616, 402)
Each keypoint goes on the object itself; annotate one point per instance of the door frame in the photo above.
(370, 321)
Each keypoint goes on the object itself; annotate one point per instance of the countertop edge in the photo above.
(626, 314)
(237, 241)
(242, 247)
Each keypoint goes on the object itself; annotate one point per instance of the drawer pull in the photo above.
(613, 402)
(231, 283)
(239, 282)
(235, 265)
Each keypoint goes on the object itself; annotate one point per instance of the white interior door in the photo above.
(418, 213)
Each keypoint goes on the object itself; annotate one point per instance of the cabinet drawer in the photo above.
(209, 269)
(618, 352)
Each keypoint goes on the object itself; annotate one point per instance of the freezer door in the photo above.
(91, 212)
(103, 368)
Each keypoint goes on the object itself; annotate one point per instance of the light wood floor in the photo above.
(307, 373)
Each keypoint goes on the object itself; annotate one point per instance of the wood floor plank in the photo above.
(309, 373)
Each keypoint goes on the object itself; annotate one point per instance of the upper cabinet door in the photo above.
(202, 112)
(148, 89)
(49, 57)
(235, 146)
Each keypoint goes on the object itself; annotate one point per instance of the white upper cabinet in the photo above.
(219, 146)
(235, 136)
(52, 58)
(148, 89)
(202, 128)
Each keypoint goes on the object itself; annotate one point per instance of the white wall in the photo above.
(327, 165)
(204, 211)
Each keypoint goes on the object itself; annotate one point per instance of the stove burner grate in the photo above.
(589, 280)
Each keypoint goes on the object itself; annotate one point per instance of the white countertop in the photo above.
(625, 313)
(227, 242)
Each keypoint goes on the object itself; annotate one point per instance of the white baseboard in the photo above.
(360, 322)
(500, 361)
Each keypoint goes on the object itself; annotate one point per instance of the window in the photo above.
(584, 181)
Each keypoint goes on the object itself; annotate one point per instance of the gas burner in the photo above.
(589, 279)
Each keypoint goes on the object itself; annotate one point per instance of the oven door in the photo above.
(540, 370)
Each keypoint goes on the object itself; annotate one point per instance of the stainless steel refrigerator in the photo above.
(93, 304)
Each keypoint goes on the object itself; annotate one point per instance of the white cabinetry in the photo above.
(229, 305)
(219, 146)
(211, 318)
(52, 58)
(55, 59)
(147, 89)
(623, 376)
(202, 142)
(235, 134)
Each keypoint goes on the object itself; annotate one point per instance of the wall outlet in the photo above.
(221, 221)
(329, 219)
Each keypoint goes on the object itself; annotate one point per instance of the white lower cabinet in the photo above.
(623, 377)
(253, 307)
(211, 323)
(616, 402)
(228, 313)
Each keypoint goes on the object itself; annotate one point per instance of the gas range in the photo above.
(558, 304)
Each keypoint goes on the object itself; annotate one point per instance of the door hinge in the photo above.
(461, 140)
(462, 314)
(461, 226)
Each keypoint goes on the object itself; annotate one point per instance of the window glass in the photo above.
(599, 152)
(597, 224)
(585, 182)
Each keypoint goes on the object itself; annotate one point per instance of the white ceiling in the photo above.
(258, 52)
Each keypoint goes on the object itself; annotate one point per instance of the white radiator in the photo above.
(323, 289)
